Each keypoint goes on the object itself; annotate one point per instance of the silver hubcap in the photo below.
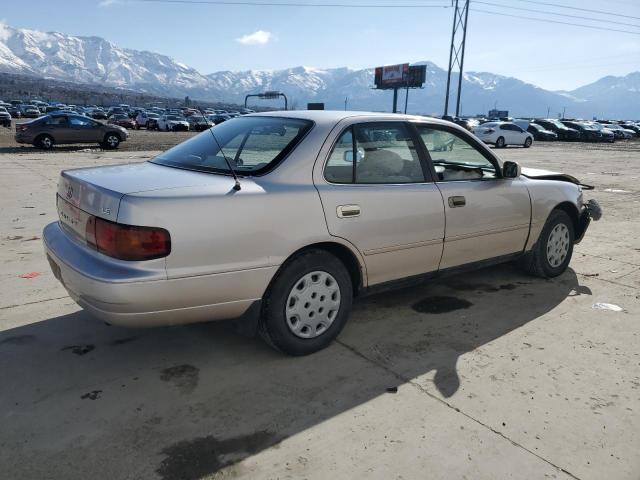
(313, 304)
(558, 245)
(113, 141)
(46, 142)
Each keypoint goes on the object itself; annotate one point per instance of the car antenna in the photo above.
(237, 185)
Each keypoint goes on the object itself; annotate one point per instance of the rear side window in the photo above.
(252, 145)
(375, 153)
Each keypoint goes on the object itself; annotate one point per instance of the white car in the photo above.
(502, 134)
(143, 118)
(172, 123)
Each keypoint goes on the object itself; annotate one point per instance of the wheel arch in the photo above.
(350, 259)
(571, 210)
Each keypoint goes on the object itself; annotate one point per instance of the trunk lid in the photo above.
(98, 190)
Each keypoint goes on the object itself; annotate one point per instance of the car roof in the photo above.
(335, 116)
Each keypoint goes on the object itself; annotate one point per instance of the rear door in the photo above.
(487, 216)
(378, 194)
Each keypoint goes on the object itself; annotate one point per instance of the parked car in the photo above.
(218, 118)
(172, 123)
(619, 132)
(152, 123)
(122, 120)
(14, 111)
(143, 119)
(540, 133)
(57, 129)
(99, 114)
(502, 134)
(587, 132)
(198, 123)
(5, 117)
(198, 232)
(30, 111)
(607, 134)
(564, 132)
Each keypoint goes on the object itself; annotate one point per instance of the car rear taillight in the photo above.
(127, 242)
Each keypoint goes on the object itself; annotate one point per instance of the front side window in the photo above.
(252, 145)
(375, 153)
(81, 122)
(454, 158)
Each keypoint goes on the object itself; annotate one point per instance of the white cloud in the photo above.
(108, 3)
(259, 37)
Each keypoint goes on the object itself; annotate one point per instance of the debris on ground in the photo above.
(607, 306)
(30, 275)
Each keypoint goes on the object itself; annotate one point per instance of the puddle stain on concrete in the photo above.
(122, 341)
(203, 456)
(79, 349)
(183, 377)
(93, 395)
(440, 304)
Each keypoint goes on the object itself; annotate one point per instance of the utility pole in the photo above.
(395, 99)
(548, 111)
(346, 99)
(456, 51)
(563, 111)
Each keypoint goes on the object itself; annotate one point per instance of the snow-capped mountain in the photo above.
(93, 60)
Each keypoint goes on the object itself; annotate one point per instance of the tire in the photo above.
(500, 142)
(45, 142)
(111, 141)
(297, 312)
(527, 142)
(552, 252)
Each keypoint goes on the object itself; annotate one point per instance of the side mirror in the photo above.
(511, 169)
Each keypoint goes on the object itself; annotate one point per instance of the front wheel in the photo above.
(500, 142)
(527, 142)
(45, 142)
(551, 255)
(308, 304)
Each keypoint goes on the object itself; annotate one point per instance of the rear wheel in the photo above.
(527, 142)
(500, 142)
(111, 141)
(44, 142)
(552, 253)
(308, 304)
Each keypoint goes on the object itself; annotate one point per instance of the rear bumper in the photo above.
(133, 297)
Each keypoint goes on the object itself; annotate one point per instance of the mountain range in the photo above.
(94, 60)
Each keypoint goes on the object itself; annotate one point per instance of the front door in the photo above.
(378, 194)
(487, 216)
(84, 130)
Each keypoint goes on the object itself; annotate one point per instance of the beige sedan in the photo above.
(281, 219)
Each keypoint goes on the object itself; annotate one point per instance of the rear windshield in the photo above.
(252, 145)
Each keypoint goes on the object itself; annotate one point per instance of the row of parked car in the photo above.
(154, 118)
(509, 131)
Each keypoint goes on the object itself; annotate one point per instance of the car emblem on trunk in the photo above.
(69, 192)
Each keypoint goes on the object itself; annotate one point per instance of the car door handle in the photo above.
(457, 201)
(348, 211)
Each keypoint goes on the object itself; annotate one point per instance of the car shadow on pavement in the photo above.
(83, 399)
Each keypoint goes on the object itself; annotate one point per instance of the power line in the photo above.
(577, 8)
(547, 12)
(294, 4)
(554, 21)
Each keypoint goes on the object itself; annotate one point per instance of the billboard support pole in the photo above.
(406, 100)
(395, 99)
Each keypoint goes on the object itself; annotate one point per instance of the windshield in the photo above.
(173, 117)
(251, 144)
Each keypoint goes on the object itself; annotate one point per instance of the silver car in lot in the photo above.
(280, 219)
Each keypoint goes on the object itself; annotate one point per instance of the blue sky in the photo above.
(225, 37)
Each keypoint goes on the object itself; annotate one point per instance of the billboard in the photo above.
(400, 76)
